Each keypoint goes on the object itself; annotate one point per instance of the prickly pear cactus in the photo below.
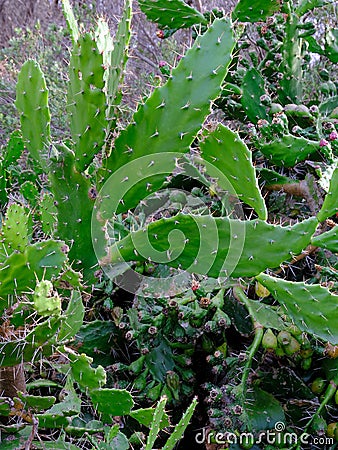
(227, 152)
(229, 246)
(86, 100)
(32, 104)
(312, 307)
(173, 114)
(171, 13)
(46, 300)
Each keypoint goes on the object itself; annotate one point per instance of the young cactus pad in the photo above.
(213, 246)
(312, 308)
(330, 205)
(86, 100)
(173, 114)
(257, 11)
(225, 150)
(32, 104)
(171, 13)
(328, 240)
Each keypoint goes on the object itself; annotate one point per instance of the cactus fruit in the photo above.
(258, 11)
(86, 100)
(225, 150)
(269, 340)
(328, 240)
(312, 307)
(253, 91)
(173, 114)
(32, 104)
(239, 248)
(173, 14)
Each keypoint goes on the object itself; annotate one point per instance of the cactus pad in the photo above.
(330, 205)
(32, 104)
(225, 150)
(328, 240)
(214, 246)
(253, 89)
(258, 11)
(14, 231)
(289, 150)
(173, 114)
(312, 308)
(171, 13)
(86, 100)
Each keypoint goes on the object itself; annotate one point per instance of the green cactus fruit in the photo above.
(180, 428)
(173, 114)
(284, 338)
(173, 383)
(261, 291)
(330, 206)
(86, 100)
(328, 240)
(230, 160)
(87, 377)
(311, 307)
(215, 246)
(71, 21)
(18, 273)
(258, 11)
(32, 104)
(46, 301)
(288, 150)
(269, 340)
(112, 402)
(292, 347)
(253, 90)
(73, 317)
(318, 385)
(14, 231)
(331, 429)
(171, 13)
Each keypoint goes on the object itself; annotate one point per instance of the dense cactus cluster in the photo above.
(101, 211)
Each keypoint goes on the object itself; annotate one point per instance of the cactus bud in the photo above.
(292, 347)
(269, 340)
(333, 136)
(318, 385)
(152, 330)
(323, 143)
(261, 291)
(284, 337)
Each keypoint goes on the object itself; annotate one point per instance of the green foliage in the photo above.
(327, 240)
(246, 11)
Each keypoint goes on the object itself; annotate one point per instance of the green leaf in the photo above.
(312, 308)
(257, 11)
(171, 13)
(230, 163)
